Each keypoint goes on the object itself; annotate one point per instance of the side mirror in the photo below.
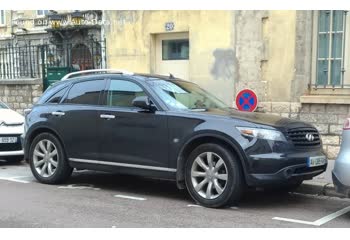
(142, 102)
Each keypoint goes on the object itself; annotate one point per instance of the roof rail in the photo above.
(118, 71)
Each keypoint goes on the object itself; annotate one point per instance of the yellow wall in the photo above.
(281, 36)
(130, 40)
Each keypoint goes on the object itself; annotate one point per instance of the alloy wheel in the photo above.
(45, 158)
(209, 175)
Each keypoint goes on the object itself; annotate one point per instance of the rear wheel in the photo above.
(213, 176)
(47, 160)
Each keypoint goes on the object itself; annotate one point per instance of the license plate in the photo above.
(316, 161)
(8, 139)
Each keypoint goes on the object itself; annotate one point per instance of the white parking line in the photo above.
(194, 205)
(318, 222)
(80, 187)
(130, 197)
(14, 179)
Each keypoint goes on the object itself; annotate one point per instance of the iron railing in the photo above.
(31, 61)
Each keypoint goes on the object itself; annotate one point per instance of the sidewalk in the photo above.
(321, 185)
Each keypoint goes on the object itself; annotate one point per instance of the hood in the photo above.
(259, 118)
(9, 117)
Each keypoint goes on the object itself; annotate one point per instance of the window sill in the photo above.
(325, 99)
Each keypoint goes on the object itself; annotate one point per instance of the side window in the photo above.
(121, 93)
(56, 98)
(87, 92)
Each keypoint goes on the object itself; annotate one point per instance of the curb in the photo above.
(320, 189)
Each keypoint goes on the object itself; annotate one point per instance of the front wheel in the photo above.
(47, 160)
(213, 176)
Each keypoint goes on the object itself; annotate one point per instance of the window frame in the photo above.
(42, 15)
(145, 90)
(3, 14)
(175, 40)
(100, 98)
(65, 88)
(345, 82)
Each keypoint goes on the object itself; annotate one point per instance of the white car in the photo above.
(11, 129)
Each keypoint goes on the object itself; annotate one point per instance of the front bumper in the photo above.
(287, 175)
(280, 170)
(12, 153)
(339, 186)
(11, 149)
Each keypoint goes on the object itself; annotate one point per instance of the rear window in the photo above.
(56, 98)
(51, 91)
(87, 92)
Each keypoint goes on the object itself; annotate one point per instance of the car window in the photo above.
(56, 98)
(121, 93)
(3, 106)
(87, 92)
(181, 95)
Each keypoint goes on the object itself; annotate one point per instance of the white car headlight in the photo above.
(262, 133)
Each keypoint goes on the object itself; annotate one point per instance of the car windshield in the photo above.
(181, 95)
(3, 106)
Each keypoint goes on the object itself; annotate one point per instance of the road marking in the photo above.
(194, 205)
(14, 179)
(318, 222)
(80, 187)
(130, 197)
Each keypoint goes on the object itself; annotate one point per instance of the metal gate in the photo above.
(39, 61)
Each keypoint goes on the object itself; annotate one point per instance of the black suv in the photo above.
(163, 127)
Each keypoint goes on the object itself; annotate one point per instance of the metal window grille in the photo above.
(331, 33)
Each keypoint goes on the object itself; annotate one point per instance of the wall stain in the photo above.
(224, 67)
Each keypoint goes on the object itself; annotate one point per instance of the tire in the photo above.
(231, 188)
(14, 159)
(38, 159)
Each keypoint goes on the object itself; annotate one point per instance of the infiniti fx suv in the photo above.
(159, 126)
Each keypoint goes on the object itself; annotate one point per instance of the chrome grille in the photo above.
(299, 137)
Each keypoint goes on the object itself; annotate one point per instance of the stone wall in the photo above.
(20, 94)
(327, 118)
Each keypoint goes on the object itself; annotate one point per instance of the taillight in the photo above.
(347, 124)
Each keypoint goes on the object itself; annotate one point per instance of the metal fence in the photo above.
(20, 62)
(31, 61)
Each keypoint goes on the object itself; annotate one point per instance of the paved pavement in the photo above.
(95, 199)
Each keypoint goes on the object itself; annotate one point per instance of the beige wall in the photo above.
(130, 42)
(229, 50)
(280, 34)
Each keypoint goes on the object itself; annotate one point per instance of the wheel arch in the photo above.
(36, 132)
(199, 139)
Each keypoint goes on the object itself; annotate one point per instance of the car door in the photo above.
(132, 137)
(75, 119)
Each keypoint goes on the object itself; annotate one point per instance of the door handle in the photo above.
(107, 116)
(58, 114)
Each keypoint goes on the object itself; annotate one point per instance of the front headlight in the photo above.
(262, 133)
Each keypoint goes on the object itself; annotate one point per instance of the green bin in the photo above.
(55, 74)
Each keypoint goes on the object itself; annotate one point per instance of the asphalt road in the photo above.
(95, 199)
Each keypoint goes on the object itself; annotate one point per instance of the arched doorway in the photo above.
(81, 57)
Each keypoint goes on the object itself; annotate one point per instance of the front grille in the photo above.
(7, 147)
(299, 137)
